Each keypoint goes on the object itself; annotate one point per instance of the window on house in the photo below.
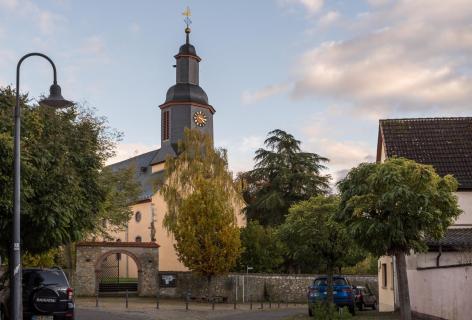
(165, 125)
(138, 239)
(137, 216)
(393, 275)
(384, 275)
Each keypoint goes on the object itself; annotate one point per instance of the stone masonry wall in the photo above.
(258, 287)
(90, 255)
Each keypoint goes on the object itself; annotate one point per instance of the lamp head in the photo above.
(55, 99)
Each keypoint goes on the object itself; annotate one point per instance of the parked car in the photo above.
(364, 298)
(47, 295)
(342, 293)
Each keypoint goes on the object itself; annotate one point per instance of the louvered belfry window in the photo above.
(165, 125)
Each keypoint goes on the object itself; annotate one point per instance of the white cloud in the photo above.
(414, 55)
(135, 27)
(311, 6)
(47, 22)
(329, 18)
(93, 45)
(378, 3)
(251, 97)
(251, 143)
(9, 4)
(128, 150)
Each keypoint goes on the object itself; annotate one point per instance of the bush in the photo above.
(328, 311)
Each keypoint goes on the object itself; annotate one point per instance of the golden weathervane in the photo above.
(187, 13)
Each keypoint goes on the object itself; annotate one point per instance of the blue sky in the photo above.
(325, 71)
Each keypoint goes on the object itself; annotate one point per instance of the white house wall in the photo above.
(465, 202)
(443, 293)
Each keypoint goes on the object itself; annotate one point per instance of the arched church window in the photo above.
(138, 239)
(137, 216)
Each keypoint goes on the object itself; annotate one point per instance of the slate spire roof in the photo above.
(444, 143)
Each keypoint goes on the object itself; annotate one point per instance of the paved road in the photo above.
(100, 314)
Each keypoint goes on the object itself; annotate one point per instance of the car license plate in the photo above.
(42, 318)
(334, 292)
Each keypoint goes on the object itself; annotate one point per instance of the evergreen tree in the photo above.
(283, 175)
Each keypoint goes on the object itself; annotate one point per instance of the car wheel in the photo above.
(352, 310)
(374, 306)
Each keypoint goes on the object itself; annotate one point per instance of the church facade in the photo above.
(186, 106)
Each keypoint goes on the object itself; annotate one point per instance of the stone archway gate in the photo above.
(90, 256)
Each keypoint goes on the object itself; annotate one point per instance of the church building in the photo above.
(186, 106)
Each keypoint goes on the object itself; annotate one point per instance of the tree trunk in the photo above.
(210, 291)
(403, 290)
(330, 296)
(69, 257)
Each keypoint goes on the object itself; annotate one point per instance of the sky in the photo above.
(324, 71)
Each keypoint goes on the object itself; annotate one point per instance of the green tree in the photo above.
(201, 199)
(261, 248)
(64, 192)
(313, 236)
(283, 175)
(391, 208)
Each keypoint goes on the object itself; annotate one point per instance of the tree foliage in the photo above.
(201, 198)
(62, 155)
(315, 239)
(393, 207)
(261, 249)
(283, 175)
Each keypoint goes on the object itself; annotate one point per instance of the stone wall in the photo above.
(90, 256)
(258, 287)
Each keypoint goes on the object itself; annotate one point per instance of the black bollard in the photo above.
(278, 305)
(126, 298)
(270, 304)
(157, 300)
(250, 302)
(96, 300)
(262, 305)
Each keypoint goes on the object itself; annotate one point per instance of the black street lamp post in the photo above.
(54, 100)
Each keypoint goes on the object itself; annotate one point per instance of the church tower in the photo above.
(186, 104)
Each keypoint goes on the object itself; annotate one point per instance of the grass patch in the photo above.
(119, 280)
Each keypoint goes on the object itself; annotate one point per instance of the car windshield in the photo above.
(336, 282)
(36, 278)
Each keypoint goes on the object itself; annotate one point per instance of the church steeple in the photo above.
(187, 62)
(186, 104)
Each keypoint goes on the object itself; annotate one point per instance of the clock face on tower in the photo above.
(200, 118)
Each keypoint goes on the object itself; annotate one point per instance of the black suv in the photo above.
(47, 295)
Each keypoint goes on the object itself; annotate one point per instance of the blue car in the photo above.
(342, 292)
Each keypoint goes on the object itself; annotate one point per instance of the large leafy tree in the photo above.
(261, 249)
(315, 241)
(283, 175)
(391, 208)
(201, 200)
(65, 194)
